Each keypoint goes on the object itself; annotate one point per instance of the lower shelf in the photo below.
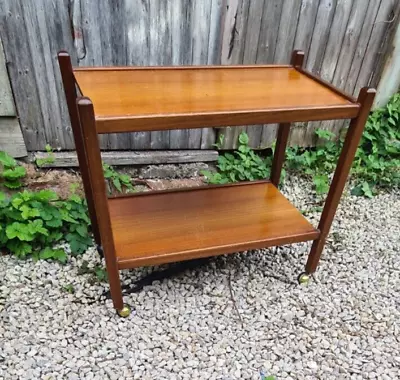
(156, 228)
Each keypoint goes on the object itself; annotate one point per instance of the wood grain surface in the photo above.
(151, 98)
(175, 226)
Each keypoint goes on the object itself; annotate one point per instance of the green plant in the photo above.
(46, 160)
(376, 164)
(69, 288)
(10, 171)
(318, 161)
(117, 180)
(97, 274)
(243, 165)
(35, 223)
(377, 161)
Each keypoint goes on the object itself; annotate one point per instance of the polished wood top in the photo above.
(166, 227)
(182, 97)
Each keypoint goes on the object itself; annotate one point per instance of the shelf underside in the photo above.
(164, 227)
(143, 99)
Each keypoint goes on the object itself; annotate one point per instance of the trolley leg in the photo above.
(279, 155)
(283, 131)
(365, 99)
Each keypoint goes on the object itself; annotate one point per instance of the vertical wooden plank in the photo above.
(20, 66)
(181, 54)
(215, 32)
(208, 135)
(304, 33)
(233, 40)
(304, 136)
(362, 44)
(305, 26)
(138, 52)
(326, 11)
(57, 32)
(268, 38)
(92, 37)
(388, 47)
(160, 52)
(330, 59)
(287, 31)
(200, 33)
(269, 31)
(250, 56)
(7, 107)
(373, 52)
(389, 82)
(350, 40)
(113, 51)
(348, 47)
(35, 23)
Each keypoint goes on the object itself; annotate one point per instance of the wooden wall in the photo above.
(344, 41)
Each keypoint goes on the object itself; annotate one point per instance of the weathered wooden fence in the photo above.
(344, 41)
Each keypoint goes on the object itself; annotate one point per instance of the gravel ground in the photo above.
(237, 316)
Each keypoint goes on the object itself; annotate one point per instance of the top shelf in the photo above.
(130, 99)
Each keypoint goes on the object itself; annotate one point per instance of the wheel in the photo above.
(303, 278)
(124, 312)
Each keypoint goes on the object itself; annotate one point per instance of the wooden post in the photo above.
(283, 131)
(100, 202)
(365, 99)
(68, 79)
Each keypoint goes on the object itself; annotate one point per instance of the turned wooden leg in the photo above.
(354, 133)
(283, 131)
(96, 178)
(68, 80)
(279, 155)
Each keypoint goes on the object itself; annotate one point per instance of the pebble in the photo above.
(343, 325)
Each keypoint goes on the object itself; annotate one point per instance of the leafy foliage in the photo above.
(46, 160)
(97, 273)
(116, 180)
(10, 172)
(34, 223)
(376, 164)
(317, 162)
(377, 161)
(243, 165)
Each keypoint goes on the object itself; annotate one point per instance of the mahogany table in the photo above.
(174, 225)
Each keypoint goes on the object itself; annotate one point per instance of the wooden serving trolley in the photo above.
(167, 226)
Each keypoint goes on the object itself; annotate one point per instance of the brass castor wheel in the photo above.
(303, 278)
(124, 312)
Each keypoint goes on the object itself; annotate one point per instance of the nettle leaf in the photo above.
(125, 179)
(46, 195)
(6, 160)
(17, 201)
(19, 248)
(29, 213)
(82, 230)
(78, 243)
(321, 184)
(36, 226)
(366, 189)
(13, 184)
(67, 217)
(53, 254)
(117, 183)
(14, 173)
(20, 231)
(243, 138)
